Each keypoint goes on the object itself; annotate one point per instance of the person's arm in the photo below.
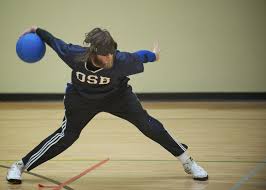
(145, 56)
(65, 51)
(141, 56)
(58, 45)
(132, 63)
(48, 38)
(55, 43)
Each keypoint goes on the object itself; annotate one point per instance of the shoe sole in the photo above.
(14, 181)
(202, 178)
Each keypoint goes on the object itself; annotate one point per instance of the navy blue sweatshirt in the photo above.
(97, 83)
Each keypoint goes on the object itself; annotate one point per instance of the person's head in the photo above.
(101, 48)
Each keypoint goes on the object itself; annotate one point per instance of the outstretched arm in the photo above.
(149, 56)
(47, 37)
(63, 49)
(141, 56)
(56, 44)
(132, 63)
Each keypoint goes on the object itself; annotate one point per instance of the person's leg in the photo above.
(128, 107)
(57, 142)
(77, 115)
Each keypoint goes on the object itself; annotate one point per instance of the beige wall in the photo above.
(207, 45)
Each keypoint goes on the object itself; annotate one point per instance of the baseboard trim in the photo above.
(191, 96)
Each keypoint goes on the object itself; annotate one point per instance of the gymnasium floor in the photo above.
(227, 138)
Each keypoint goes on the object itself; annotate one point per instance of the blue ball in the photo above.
(30, 48)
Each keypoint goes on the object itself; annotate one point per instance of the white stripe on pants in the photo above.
(47, 145)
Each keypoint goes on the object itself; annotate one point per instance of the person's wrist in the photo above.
(34, 28)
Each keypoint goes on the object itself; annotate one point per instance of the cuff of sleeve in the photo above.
(146, 56)
(38, 31)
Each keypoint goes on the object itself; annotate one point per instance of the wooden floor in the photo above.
(227, 138)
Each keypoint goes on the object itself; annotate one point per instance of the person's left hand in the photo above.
(156, 50)
(31, 29)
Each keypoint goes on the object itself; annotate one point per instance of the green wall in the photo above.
(207, 45)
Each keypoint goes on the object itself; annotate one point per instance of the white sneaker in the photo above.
(14, 173)
(197, 172)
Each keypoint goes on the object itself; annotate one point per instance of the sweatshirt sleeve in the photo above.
(145, 56)
(132, 63)
(64, 50)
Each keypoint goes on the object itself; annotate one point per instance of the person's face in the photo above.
(104, 61)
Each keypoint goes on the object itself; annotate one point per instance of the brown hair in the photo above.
(98, 42)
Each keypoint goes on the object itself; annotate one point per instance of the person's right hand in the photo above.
(32, 29)
(156, 50)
